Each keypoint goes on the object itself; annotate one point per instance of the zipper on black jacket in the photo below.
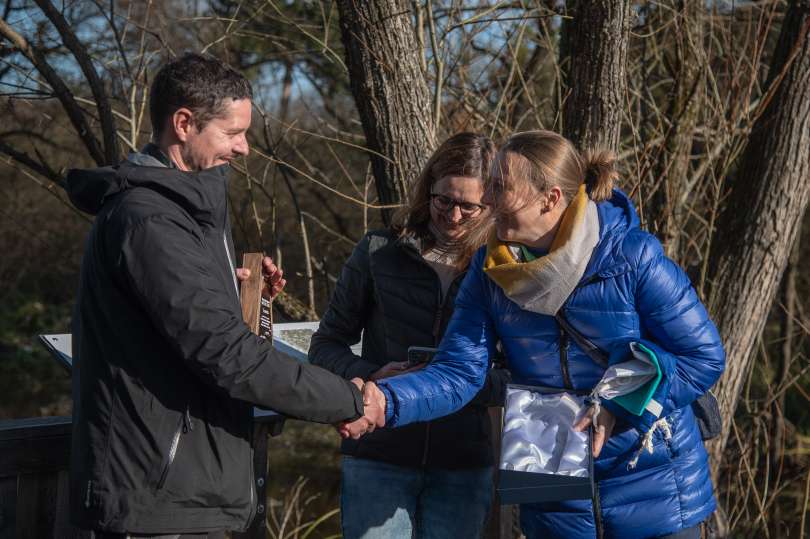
(187, 423)
(564, 344)
(254, 505)
(437, 326)
(230, 260)
(251, 471)
(437, 321)
(427, 444)
(181, 428)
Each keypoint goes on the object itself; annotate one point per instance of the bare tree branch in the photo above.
(79, 52)
(63, 93)
(40, 168)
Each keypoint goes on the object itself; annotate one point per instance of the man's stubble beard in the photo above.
(188, 160)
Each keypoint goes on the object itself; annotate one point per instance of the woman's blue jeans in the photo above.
(385, 501)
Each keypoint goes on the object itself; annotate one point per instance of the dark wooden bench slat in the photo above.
(36, 505)
(8, 507)
(34, 455)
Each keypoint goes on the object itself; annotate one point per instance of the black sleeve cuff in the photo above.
(358, 402)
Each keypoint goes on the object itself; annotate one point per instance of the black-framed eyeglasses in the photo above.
(446, 204)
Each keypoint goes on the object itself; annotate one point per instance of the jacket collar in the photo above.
(150, 156)
(617, 218)
(409, 242)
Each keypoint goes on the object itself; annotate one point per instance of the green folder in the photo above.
(637, 401)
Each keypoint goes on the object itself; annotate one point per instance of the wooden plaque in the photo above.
(257, 306)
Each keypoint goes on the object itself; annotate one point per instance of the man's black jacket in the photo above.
(165, 370)
(388, 293)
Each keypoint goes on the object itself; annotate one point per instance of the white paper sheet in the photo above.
(628, 376)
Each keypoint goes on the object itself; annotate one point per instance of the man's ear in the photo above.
(182, 122)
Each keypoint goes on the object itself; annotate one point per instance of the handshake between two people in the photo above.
(374, 399)
(373, 411)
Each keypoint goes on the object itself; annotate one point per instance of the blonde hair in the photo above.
(546, 159)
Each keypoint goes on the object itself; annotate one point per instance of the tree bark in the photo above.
(593, 54)
(390, 91)
(788, 314)
(763, 213)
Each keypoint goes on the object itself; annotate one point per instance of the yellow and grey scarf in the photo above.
(542, 285)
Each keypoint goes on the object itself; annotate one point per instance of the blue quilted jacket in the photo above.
(630, 292)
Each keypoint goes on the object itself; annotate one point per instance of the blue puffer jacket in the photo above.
(630, 292)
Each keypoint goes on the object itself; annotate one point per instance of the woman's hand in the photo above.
(606, 421)
(394, 368)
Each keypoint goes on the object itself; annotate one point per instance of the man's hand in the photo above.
(606, 422)
(394, 368)
(273, 276)
(373, 412)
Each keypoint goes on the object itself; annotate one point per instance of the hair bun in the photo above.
(600, 173)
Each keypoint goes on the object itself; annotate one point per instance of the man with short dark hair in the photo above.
(166, 372)
(200, 111)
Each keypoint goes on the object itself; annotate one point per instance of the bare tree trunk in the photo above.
(593, 54)
(668, 204)
(788, 313)
(390, 91)
(763, 213)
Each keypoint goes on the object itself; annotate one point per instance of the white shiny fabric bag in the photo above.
(542, 457)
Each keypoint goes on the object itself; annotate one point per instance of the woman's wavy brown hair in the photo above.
(463, 154)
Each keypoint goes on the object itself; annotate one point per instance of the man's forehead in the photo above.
(236, 112)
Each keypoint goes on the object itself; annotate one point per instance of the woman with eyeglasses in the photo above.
(397, 290)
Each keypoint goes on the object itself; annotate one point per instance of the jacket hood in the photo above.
(617, 217)
(203, 194)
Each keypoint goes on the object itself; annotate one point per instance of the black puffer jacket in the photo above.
(388, 293)
(165, 369)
